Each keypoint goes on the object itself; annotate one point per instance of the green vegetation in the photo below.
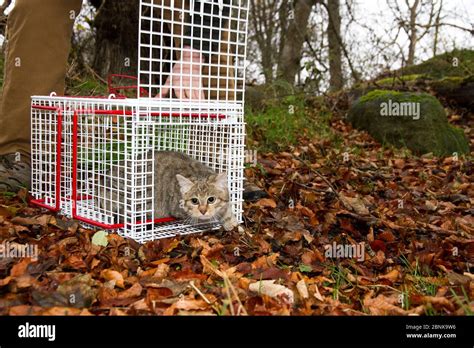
(284, 122)
(85, 86)
(389, 81)
(451, 82)
(400, 97)
(420, 282)
(444, 65)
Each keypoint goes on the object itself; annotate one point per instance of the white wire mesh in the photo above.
(106, 154)
(92, 158)
(179, 37)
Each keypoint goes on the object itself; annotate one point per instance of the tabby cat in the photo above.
(184, 188)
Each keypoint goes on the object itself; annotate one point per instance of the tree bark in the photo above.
(413, 33)
(336, 81)
(116, 25)
(291, 54)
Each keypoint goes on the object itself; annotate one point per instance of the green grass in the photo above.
(86, 86)
(463, 302)
(284, 123)
(420, 283)
(340, 279)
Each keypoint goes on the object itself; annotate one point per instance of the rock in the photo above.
(457, 89)
(255, 98)
(259, 97)
(448, 75)
(415, 120)
(459, 62)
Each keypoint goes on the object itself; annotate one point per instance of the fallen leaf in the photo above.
(267, 202)
(356, 204)
(302, 289)
(392, 275)
(115, 276)
(384, 305)
(317, 294)
(100, 238)
(134, 291)
(269, 288)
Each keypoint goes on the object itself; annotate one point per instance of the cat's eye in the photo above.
(211, 200)
(195, 201)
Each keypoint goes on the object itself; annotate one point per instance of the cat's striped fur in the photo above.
(183, 188)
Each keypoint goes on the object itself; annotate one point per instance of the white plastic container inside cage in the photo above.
(92, 157)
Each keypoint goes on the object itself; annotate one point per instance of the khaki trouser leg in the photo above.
(39, 40)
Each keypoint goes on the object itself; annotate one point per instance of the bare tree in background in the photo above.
(3, 17)
(409, 21)
(335, 45)
(437, 26)
(268, 24)
(290, 58)
(116, 32)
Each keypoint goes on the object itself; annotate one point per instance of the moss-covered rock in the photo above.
(400, 80)
(449, 75)
(261, 97)
(455, 63)
(415, 120)
(457, 89)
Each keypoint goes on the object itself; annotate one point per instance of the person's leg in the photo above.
(38, 44)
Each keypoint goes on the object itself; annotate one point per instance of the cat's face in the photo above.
(204, 199)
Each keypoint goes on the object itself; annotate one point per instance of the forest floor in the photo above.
(407, 220)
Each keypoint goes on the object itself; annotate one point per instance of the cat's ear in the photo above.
(184, 183)
(221, 181)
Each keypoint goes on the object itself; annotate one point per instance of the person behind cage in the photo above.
(38, 43)
(201, 32)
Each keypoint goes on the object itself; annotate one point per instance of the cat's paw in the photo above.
(230, 224)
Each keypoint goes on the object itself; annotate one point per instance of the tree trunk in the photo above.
(336, 81)
(413, 33)
(116, 47)
(291, 55)
(436, 33)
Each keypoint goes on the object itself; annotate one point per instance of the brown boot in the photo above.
(14, 173)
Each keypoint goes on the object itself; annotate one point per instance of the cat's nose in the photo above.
(203, 209)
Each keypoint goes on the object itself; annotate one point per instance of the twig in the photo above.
(229, 297)
(241, 306)
(199, 292)
(213, 306)
(227, 283)
(321, 176)
(97, 76)
(307, 187)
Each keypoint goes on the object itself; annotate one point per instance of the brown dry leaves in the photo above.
(414, 216)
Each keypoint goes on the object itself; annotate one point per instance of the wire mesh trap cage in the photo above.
(92, 158)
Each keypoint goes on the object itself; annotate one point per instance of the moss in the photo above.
(398, 79)
(451, 82)
(384, 95)
(442, 65)
(427, 132)
(261, 97)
